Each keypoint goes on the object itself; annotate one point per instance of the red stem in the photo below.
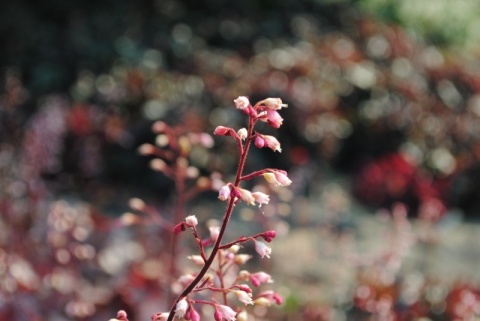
(226, 219)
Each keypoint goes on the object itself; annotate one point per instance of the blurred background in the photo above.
(381, 139)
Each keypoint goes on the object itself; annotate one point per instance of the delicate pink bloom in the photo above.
(121, 316)
(272, 118)
(272, 296)
(191, 220)
(267, 141)
(225, 131)
(262, 249)
(227, 312)
(244, 297)
(261, 198)
(160, 316)
(245, 195)
(273, 103)
(197, 259)
(243, 287)
(224, 192)
(242, 102)
(214, 232)
(181, 308)
(241, 259)
(242, 133)
(277, 177)
(260, 277)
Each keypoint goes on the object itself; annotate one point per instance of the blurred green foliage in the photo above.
(442, 22)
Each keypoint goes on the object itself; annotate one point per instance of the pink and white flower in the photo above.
(181, 308)
(273, 103)
(224, 131)
(267, 141)
(227, 312)
(224, 192)
(277, 177)
(245, 195)
(244, 297)
(262, 249)
(272, 118)
(242, 133)
(260, 277)
(191, 220)
(241, 102)
(261, 198)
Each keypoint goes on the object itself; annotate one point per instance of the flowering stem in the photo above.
(226, 219)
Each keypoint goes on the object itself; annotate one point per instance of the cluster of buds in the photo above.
(225, 280)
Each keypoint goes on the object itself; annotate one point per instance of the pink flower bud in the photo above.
(191, 220)
(269, 235)
(260, 277)
(278, 299)
(244, 287)
(272, 118)
(180, 227)
(244, 297)
(259, 141)
(261, 198)
(272, 143)
(181, 308)
(246, 196)
(242, 133)
(267, 141)
(122, 315)
(194, 315)
(224, 131)
(224, 192)
(277, 177)
(262, 249)
(242, 102)
(227, 312)
(273, 103)
(217, 315)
